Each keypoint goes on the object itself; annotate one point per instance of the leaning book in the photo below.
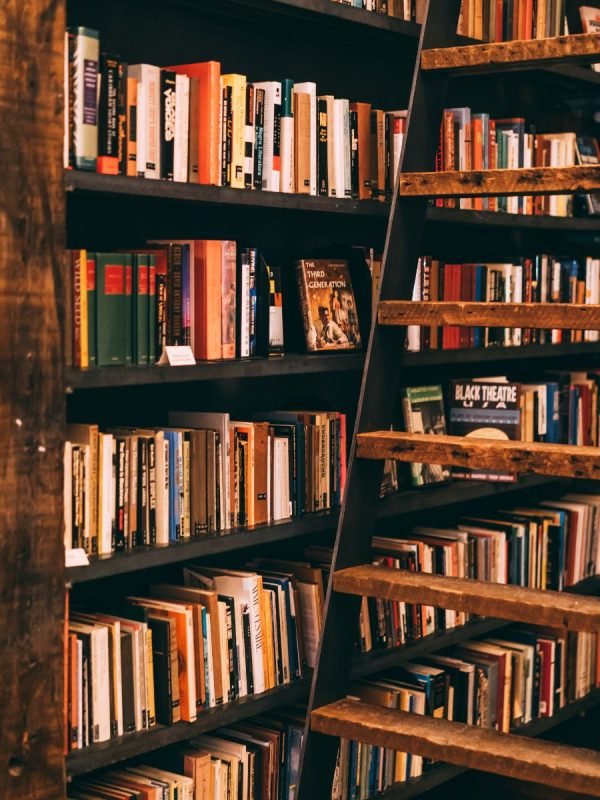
(327, 305)
(423, 412)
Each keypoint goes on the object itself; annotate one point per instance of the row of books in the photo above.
(407, 10)
(535, 279)
(128, 487)
(223, 635)
(257, 759)
(561, 408)
(501, 682)
(223, 301)
(475, 141)
(194, 124)
(503, 20)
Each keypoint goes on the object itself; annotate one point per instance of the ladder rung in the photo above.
(498, 455)
(506, 315)
(548, 763)
(484, 598)
(501, 182)
(582, 47)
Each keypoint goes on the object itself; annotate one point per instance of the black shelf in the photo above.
(290, 364)
(500, 219)
(104, 754)
(406, 502)
(445, 772)
(236, 539)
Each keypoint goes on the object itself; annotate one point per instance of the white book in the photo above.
(249, 137)
(214, 422)
(182, 128)
(592, 291)
(211, 665)
(80, 732)
(105, 495)
(68, 495)
(148, 119)
(310, 89)
(67, 101)
(413, 332)
(99, 672)
(271, 174)
(339, 128)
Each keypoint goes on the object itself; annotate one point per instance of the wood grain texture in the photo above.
(553, 765)
(580, 47)
(503, 182)
(503, 601)
(562, 460)
(510, 315)
(31, 400)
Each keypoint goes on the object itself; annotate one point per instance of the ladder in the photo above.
(331, 716)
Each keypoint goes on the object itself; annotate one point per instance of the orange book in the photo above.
(528, 22)
(131, 141)
(477, 154)
(499, 33)
(208, 74)
(207, 299)
(363, 112)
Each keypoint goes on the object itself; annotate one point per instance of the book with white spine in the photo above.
(148, 119)
(271, 171)
(182, 127)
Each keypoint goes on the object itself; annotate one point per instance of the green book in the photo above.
(140, 308)
(129, 355)
(91, 297)
(423, 412)
(112, 325)
(151, 309)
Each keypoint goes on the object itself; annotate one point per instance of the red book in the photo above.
(447, 295)
(477, 154)
(208, 74)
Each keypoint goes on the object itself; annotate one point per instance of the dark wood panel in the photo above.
(511, 315)
(499, 600)
(514, 54)
(568, 461)
(550, 764)
(31, 400)
(501, 182)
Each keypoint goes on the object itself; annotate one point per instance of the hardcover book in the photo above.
(327, 305)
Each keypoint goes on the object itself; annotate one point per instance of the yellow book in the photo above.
(237, 84)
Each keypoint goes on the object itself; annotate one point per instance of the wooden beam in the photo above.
(582, 47)
(507, 315)
(501, 182)
(486, 599)
(562, 460)
(548, 763)
(32, 590)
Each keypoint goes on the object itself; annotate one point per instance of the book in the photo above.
(84, 56)
(423, 412)
(327, 305)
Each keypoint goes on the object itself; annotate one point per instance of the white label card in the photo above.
(76, 557)
(177, 356)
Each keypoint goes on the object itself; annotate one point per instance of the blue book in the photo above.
(552, 413)
(480, 296)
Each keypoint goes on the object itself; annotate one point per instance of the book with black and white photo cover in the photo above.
(423, 412)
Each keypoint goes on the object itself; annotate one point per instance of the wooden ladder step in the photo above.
(581, 47)
(501, 182)
(498, 455)
(554, 765)
(506, 315)
(486, 599)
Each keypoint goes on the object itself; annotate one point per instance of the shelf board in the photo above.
(150, 557)
(121, 748)
(112, 185)
(444, 772)
(502, 219)
(538, 458)
(289, 364)
(482, 355)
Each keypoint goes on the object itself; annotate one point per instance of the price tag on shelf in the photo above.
(76, 557)
(177, 356)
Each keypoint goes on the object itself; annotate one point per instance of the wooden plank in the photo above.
(562, 460)
(504, 601)
(509, 315)
(582, 47)
(548, 763)
(504, 182)
(32, 399)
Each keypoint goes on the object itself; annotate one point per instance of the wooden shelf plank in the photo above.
(509, 315)
(548, 763)
(501, 182)
(562, 460)
(486, 599)
(581, 47)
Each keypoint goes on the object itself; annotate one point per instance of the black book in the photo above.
(389, 178)
(167, 123)
(122, 117)
(151, 490)
(248, 651)
(226, 132)
(161, 313)
(259, 136)
(121, 499)
(141, 534)
(127, 673)
(354, 153)
(263, 307)
(175, 293)
(161, 660)
(232, 661)
(108, 115)
(322, 178)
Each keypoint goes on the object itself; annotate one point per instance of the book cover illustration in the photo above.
(327, 305)
(423, 412)
(485, 410)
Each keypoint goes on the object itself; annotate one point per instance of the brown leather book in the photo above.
(302, 143)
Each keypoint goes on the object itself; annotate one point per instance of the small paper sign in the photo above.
(76, 557)
(177, 356)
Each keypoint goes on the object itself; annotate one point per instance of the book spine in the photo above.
(249, 137)
(84, 55)
(226, 132)
(287, 137)
(182, 129)
(259, 134)
(108, 119)
(322, 171)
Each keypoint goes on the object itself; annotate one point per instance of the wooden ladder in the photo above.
(331, 716)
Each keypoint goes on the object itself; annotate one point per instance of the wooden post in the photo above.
(31, 400)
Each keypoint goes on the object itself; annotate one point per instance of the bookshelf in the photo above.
(246, 34)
